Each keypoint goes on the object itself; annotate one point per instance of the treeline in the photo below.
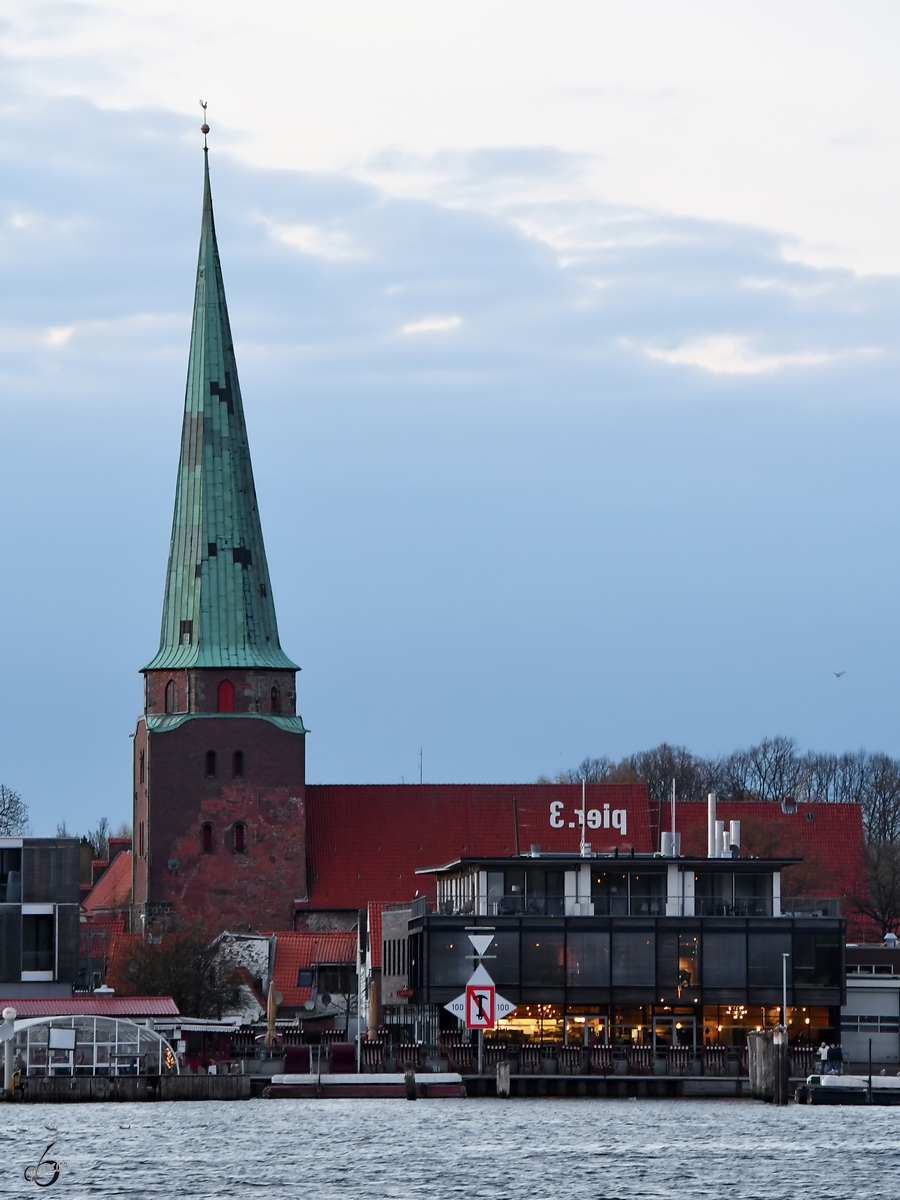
(97, 837)
(772, 770)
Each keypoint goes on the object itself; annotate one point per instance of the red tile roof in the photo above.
(94, 1006)
(113, 889)
(294, 951)
(118, 955)
(828, 837)
(366, 841)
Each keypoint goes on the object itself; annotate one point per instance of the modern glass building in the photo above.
(643, 949)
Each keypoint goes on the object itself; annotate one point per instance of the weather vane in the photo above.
(204, 128)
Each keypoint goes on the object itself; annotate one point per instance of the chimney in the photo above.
(734, 837)
(670, 844)
(711, 847)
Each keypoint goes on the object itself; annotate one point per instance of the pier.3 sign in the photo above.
(595, 818)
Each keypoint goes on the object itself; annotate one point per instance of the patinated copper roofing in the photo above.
(218, 609)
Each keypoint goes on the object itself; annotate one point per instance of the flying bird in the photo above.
(838, 674)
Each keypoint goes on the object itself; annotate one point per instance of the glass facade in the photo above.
(624, 894)
(632, 961)
(90, 1046)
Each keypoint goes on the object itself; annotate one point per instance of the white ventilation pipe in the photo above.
(734, 836)
(720, 839)
(711, 848)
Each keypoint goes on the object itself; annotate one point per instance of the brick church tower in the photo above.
(219, 808)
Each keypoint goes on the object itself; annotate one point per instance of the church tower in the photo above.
(219, 809)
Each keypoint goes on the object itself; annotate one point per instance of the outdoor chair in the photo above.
(460, 1057)
(372, 1056)
(601, 1060)
(531, 1059)
(409, 1054)
(296, 1060)
(803, 1060)
(570, 1060)
(343, 1058)
(715, 1060)
(640, 1060)
(679, 1060)
(495, 1052)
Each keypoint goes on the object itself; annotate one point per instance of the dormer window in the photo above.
(226, 696)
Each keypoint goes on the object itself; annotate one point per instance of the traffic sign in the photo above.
(481, 942)
(480, 1006)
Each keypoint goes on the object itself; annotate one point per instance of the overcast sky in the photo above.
(567, 335)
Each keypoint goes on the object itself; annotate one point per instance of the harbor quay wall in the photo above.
(42, 1089)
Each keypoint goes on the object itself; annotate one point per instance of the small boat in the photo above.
(849, 1089)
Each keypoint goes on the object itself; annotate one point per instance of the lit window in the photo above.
(226, 696)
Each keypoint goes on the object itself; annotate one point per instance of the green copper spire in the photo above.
(218, 609)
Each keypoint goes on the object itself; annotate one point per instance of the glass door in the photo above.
(674, 1029)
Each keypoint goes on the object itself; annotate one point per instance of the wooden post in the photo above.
(503, 1080)
(409, 1080)
(780, 1066)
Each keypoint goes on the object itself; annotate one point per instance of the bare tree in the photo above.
(187, 966)
(99, 839)
(882, 904)
(592, 770)
(13, 813)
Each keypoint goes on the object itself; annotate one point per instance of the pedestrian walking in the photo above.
(823, 1059)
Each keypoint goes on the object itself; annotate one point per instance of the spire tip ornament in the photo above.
(204, 128)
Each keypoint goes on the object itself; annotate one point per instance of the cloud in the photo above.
(59, 335)
(731, 355)
(439, 507)
(433, 325)
(334, 245)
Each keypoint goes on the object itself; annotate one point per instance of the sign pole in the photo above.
(480, 1051)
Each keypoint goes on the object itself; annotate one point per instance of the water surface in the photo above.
(542, 1149)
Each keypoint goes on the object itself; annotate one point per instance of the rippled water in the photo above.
(521, 1149)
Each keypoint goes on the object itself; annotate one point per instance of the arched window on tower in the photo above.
(207, 839)
(237, 763)
(170, 696)
(275, 697)
(226, 696)
(210, 764)
(240, 838)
